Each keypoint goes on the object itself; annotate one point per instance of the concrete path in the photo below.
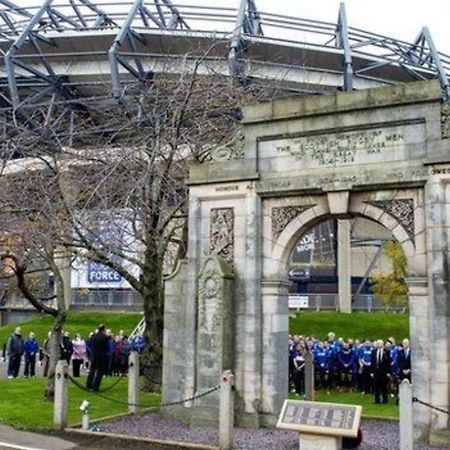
(11, 439)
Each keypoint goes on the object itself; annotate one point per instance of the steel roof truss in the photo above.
(248, 22)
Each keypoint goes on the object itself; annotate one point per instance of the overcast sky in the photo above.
(402, 19)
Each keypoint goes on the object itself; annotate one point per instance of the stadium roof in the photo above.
(64, 49)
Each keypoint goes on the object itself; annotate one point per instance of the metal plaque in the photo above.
(320, 418)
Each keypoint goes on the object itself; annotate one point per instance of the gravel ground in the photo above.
(378, 434)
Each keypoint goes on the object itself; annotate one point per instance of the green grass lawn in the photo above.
(77, 322)
(23, 405)
(369, 407)
(356, 326)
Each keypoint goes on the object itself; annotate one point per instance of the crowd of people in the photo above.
(101, 353)
(366, 366)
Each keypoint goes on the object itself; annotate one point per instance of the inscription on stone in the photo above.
(340, 148)
(320, 418)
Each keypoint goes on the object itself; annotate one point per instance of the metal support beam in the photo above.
(432, 58)
(248, 21)
(343, 42)
(369, 268)
(128, 34)
(47, 16)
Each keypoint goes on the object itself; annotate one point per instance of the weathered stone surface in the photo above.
(381, 154)
(214, 336)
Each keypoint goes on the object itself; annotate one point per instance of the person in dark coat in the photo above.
(405, 361)
(66, 347)
(381, 368)
(99, 359)
(14, 349)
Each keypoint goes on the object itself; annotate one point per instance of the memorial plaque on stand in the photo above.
(327, 419)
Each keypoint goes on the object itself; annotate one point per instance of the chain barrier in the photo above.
(416, 400)
(140, 405)
(84, 388)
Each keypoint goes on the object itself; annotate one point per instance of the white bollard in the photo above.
(133, 382)
(84, 408)
(60, 399)
(226, 415)
(406, 415)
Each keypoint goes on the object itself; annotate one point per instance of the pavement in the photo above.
(11, 438)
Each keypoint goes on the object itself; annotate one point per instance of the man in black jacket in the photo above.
(99, 359)
(405, 361)
(14, 350)
(381, 367)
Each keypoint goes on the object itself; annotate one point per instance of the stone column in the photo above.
(275, 319)
(419, 323)
(248, 318)
(344, 265)
(437, 201)
(214, 337)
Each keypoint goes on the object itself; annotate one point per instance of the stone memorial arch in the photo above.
(382, 154)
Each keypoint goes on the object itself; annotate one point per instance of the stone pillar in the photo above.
(419, 323)
(194, 226)
(344, 265)
(226, 419)
(406, 420)
(174, 339)
(437, 201)
(214, 336)
(248, 316)
(61, 393)
(275, 315)
(318, 442)
(133, 382)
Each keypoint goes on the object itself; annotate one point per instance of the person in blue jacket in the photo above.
(138, 343)
(322, 357)
(31, 349)
(365, 363)
(346, 364)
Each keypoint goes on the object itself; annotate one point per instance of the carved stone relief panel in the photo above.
(400, 209)
(233, 149)
(221, 237)
(445, 120)
(282, 215)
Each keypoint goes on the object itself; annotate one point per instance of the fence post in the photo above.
(406, 420)
(60, 399)
(133, 382)
(226, 415)
(309, 377)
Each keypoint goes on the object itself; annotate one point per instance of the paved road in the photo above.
(23, 440)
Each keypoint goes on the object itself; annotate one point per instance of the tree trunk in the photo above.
(55, 353)
(152, 293)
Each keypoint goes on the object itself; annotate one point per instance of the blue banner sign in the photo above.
(98, 273)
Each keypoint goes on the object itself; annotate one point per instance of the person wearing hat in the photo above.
(14, 349)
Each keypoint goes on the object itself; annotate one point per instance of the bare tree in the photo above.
(117, 195)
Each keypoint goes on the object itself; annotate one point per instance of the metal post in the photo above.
(226, 417)
(344, 43)
(61, 400)
(309, 377)
(133, 382)
(406, 419)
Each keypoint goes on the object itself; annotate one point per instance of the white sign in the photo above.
(297, 301)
